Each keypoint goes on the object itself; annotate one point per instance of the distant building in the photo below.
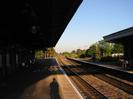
(117, 54)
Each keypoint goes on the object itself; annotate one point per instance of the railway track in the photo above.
(86, 90)
(111, 80)
(119, 84)
(110, 86)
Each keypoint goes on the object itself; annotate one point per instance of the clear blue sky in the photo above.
(93, 20)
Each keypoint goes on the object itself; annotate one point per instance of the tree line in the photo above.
(98, 50)
(47, 52)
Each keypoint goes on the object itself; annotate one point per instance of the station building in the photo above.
(124, 37)
(30, 25)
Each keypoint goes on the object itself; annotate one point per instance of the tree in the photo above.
(91, 51)
(80, 52)
(100, 49)
(118, 48)
(39, 54)
(51, 52)
(105, 48)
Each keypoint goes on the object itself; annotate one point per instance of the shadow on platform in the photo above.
(13, 87)
(54, 90)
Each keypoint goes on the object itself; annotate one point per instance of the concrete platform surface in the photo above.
(40, 83)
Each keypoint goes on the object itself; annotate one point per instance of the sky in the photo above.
(93, 20)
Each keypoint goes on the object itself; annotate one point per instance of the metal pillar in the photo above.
(0, 66)
(8, 64)
(4, 67)
(13, 59)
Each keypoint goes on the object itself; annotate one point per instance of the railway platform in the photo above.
(107, 65)
(128, 68)
(115, 67)
(44, 82)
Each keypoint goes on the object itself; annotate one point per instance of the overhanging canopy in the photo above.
(35, 23)
(122, 36)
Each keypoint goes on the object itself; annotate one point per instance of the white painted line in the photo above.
(76, 90)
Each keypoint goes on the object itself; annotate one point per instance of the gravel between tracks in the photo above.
(108, 90)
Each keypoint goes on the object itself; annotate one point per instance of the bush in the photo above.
(110, 59)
